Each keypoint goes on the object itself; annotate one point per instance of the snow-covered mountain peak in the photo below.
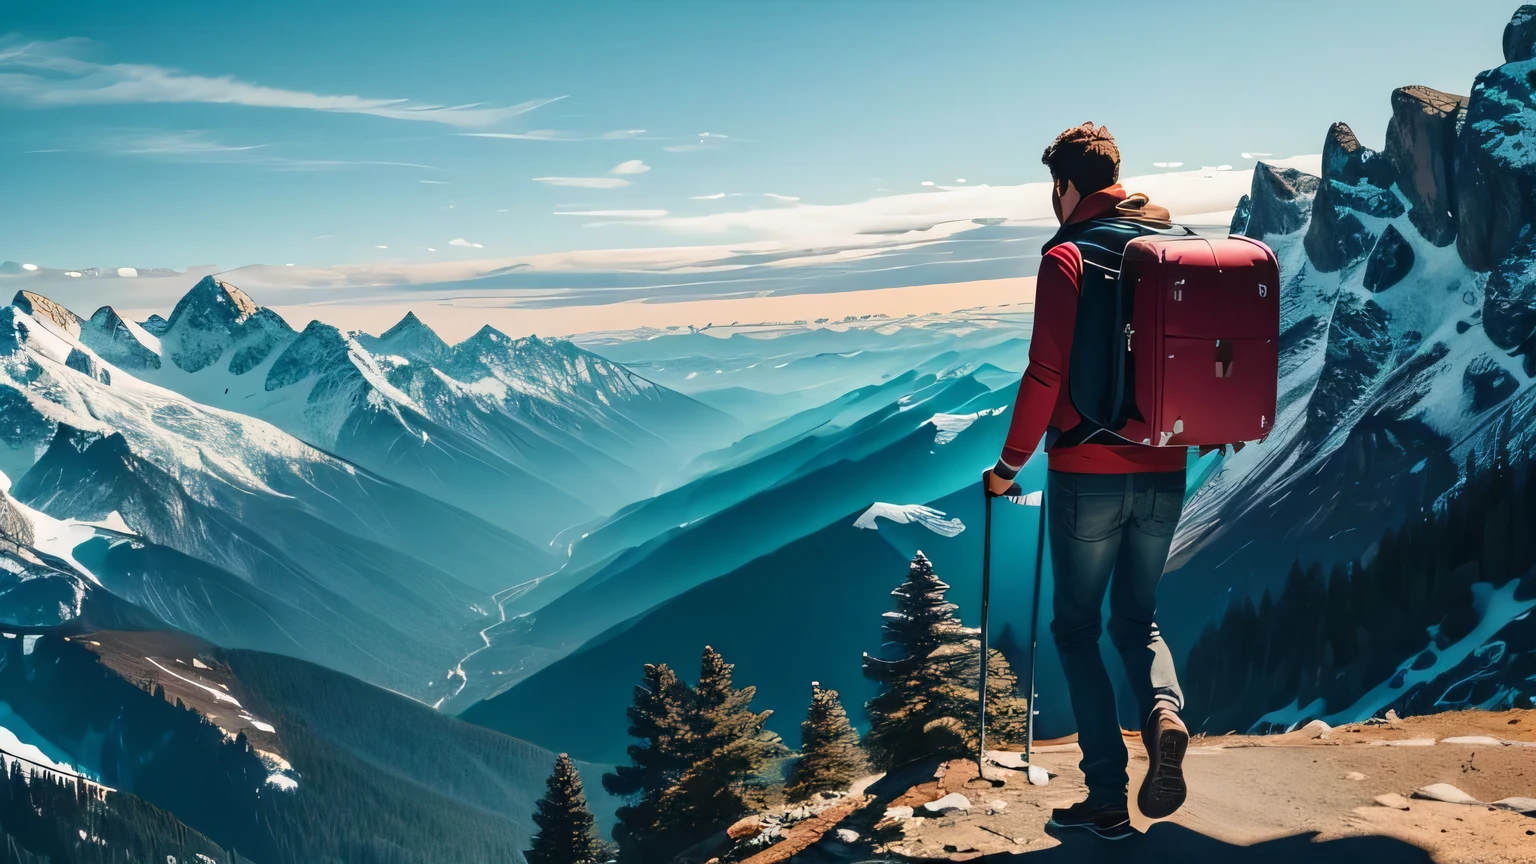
(213, 301)
(215, 318)
(120, 341)
(410, 338)
(45, 310)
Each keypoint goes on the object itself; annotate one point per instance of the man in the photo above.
(1112, 509)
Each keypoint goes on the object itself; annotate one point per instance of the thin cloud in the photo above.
(434, 182)
(706, 141)
(584, 182)
(718, 195)
(460, 241)
(615, 214)
(557, 135)
(197, 146)
(1256, 155)
(1166, 164)
(51, 74)
(633, 166)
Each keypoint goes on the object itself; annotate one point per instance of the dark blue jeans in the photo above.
(1111, 532)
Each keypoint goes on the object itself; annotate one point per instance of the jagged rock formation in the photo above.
(120, 342)
(1421, 147)
(1390, 260)
(1359, 346)
(15, 529)
(85, 364)
(213, 317)
(1397, 374)
(1520, 35)
(1487, 383)
(1495, 167)
(413, 340)
(43, 309)
(1356, 181)
(1279, 203)
(1509, 302)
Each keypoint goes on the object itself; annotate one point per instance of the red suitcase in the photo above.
(1204, 339)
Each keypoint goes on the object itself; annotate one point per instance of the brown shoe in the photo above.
(1163, 790)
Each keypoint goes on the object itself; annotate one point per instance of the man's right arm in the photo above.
(1050, 346)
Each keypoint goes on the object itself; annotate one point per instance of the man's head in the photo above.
(1083, 160)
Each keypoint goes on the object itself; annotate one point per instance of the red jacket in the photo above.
(1042, 400)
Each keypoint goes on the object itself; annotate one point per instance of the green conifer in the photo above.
(830, 755)
(659, 719)
(566, 827)
(728, 749)
(928, 680)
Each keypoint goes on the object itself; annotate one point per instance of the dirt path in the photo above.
(1288, 798)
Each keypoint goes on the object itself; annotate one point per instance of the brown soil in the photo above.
(1284, 798)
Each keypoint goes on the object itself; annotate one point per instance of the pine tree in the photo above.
(659, 717)
(565, 823)
(928, 682)
(728, 748)
(830, 755)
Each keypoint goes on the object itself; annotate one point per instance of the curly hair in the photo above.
(1085, 155)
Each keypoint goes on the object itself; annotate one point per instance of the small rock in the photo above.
(751, 826)
(1317, 729)
(1474, 740)
(848, 835)
(1393, 800)
(1391, 716)
(1000, 805)
(1376, 721)
(899, 812)
(1526, 806)
(1038, 776)
(1354, 775)
(1444, 792)
(952, 803)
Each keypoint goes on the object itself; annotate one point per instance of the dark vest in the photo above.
(1101, 379)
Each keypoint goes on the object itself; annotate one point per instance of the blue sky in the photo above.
(168, 134)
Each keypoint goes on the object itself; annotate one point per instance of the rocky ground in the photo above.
(1347, 794)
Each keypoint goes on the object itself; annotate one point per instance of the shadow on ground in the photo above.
(1168, 842)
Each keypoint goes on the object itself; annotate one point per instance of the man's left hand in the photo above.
(994, 484)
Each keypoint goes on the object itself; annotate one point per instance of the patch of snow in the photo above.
(265, 727)
(283, 782)
(909, 514)
(17, 747)
(951, 425)
(218, 697)
(198, 664)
